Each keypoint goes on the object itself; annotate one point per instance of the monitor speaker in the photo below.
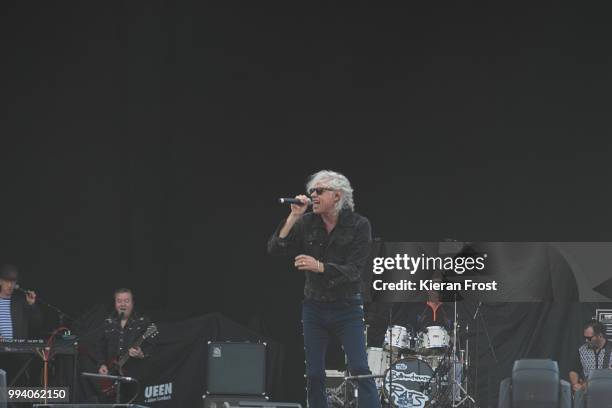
(535, 383)
(599, 391)
(3, 394)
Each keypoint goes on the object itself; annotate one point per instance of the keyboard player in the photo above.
(19, 316)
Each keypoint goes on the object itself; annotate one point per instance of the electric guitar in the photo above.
(116, 365)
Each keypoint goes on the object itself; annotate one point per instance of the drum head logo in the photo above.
(406, 398)
(407, 384)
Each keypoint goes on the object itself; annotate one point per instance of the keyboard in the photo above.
(32, 346)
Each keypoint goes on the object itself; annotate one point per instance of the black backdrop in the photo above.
(144, 143)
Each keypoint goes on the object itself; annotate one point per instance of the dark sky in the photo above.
(145, 143)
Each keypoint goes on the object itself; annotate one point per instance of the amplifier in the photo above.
(236, 368)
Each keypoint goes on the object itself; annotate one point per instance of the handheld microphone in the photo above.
(293, 201)
(121, 315)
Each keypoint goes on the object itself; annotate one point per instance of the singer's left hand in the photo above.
(308, 263)
(31, 297)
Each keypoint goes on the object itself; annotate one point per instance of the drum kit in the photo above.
(415, 368)
(421, 369)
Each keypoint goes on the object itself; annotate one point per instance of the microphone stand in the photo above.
(390, 370)
(117, 379)
(453, 362)
(61, 314)
(479, 318)
(477, 310)
(486, 332)
(484, 325)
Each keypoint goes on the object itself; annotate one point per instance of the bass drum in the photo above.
(409, 383)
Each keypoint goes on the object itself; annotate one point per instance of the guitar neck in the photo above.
(126, 356)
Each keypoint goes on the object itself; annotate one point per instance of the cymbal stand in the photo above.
(390, 370)
(454, 382)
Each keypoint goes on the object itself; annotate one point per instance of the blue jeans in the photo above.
(343, 319)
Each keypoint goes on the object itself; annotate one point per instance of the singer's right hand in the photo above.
(103, 369)
(296, 213)
(299, 210)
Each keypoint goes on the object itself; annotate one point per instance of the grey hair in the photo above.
(338, 182)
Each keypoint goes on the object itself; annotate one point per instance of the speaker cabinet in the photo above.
(236, 369)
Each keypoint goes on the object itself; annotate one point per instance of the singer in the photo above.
(330, 245)
(19, 313)
(20, 317)
(121, 331)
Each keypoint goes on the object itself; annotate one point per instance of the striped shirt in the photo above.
(6, 322)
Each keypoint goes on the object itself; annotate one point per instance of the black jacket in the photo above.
(26, 318)
(116, 341)
(344, 253)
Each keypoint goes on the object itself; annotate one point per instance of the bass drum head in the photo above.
(411, 383)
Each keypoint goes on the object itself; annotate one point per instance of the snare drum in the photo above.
(434, 339)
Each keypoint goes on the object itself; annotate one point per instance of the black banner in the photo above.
(175, 375)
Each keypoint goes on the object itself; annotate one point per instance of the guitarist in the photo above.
(123, 331)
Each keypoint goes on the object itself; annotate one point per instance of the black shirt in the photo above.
(343, 252)
(116, 340)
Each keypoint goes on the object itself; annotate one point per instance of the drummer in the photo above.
(434, 313)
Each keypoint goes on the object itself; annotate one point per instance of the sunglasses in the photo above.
(319, 190)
